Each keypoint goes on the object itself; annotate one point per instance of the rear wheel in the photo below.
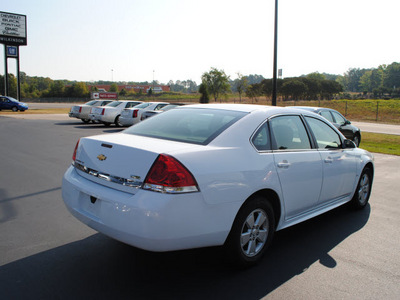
(363, 191)
(85, 121)
(117, 122)
(14, 109)
(106, 124)
(251, 233)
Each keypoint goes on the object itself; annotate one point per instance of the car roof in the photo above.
(247, 108)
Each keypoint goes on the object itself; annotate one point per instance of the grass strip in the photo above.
(381, 143)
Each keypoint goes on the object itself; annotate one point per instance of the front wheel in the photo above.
(14, 109)
(363, 191)
(251, 233)
(357, 140)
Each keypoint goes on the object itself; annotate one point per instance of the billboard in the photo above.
(104, 95)
(12, 29)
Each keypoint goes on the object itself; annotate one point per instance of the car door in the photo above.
(299, 167)
(339, 165)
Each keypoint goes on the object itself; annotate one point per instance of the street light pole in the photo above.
(274, 80)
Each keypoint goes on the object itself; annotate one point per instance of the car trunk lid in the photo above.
(121, 161)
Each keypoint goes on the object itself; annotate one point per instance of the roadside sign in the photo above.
(102, 95)
(12, 51)
(13, 29)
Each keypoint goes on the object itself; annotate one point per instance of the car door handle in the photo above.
(328, 160)
(284, 164)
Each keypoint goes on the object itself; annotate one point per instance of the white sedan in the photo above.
(82, 111)
(208, 175)
(111, 112)
(131, 116)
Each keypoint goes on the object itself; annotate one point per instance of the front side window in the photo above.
(289, 133)
(326, 137)
(339, 118)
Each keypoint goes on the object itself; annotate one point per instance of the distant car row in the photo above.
(127, 113)
(120, 113)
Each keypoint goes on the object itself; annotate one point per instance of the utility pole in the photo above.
(274, 80)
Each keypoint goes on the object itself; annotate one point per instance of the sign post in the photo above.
(12, 35)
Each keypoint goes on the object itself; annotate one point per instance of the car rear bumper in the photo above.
(126, 121)
(147, 220)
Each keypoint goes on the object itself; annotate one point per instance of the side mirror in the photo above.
(347, 122)
(349, 144)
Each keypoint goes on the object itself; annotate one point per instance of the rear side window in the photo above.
(261, 139)
(327, 115)
(326, 137)
(197, 126)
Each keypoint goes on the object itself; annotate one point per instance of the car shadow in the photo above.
(91, 126)
(98, 267)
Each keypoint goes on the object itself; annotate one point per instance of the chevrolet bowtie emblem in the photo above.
(101, 157)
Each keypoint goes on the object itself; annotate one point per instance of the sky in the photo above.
(142, 40)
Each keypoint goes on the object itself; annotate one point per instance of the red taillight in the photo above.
(102, 112)
(80, 109)
(134, 114)
(76, 148)
(168, 175)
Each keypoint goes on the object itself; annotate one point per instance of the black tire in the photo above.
(363, 190)
(14, 109)
(251, 233)
(116, 122)
(106, 124)
(85, 121)
(357, 139)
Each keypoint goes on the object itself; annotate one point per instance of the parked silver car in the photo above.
(82, 111)
(111, 112)
(131, 116)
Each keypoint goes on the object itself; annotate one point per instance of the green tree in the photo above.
(57, 89)
(254, 91)
(217, 82)
(79, 89)
(241, 84)
(392, 76)
(122, 92)
(293, 88)
(205, 97)
(114, 88)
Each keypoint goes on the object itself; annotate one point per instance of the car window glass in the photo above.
(195, 126)
(327, 115)
(326, 137)
(143, 105)
(289, 133)
(339, 119)
(261, 139)
(114, 104)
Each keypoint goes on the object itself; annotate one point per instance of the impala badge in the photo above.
(101, 157)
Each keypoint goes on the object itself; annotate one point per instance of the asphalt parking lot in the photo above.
(45, 253)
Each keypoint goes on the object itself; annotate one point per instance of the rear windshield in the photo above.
(91, 102)
(189, 125)
(114, 103)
